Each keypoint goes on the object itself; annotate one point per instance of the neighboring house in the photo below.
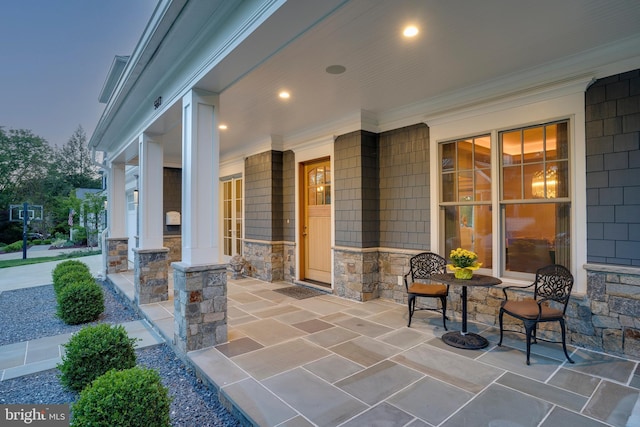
(507, 128)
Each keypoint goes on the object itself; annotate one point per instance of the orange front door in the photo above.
(316, 226)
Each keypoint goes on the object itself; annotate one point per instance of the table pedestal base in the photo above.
(469, 341)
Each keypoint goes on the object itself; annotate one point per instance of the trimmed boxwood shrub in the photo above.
(71, 263)
(71, 276)
(132, 397)
(93, 351)
(78, 268)
(80, 301)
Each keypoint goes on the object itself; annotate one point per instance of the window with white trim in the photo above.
(533, 202)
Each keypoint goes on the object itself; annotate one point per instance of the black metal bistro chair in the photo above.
(418, 282)
(552, 283)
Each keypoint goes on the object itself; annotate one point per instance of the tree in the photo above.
(32, 171)
(92, 210)
(75, 163)
(24, 162)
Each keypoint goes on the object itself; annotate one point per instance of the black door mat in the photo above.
(299, 292)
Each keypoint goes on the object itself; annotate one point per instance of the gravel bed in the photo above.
(27, 314)
(30, 313)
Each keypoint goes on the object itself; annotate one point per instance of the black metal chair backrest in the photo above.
(425, 264)
(553, 282)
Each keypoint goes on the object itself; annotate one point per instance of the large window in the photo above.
(533, 201)
(466, 195)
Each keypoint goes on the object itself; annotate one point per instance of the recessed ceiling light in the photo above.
(335, 69)
(410, 31)
(222, 127)
(284, 94)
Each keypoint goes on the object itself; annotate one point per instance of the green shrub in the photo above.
(67, 271)
(70, 263)
(14, 247)
(80, 301)
(58, 242)
(133, 397)
(71, 276)
(93, 351)
(79, 236)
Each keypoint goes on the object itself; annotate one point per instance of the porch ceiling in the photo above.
(466, 51)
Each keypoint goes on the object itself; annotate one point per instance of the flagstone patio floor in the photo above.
(328, 361)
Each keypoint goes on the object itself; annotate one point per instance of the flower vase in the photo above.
(463, 273)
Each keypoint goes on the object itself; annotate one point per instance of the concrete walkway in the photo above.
(27, 276)
(28, 357)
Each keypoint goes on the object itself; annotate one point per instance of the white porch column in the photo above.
(115, 248)
(117, 203)
(150, 196)
(199, 282)
(200, 176)
(151, 272)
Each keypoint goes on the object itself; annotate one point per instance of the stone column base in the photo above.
(117, 254)
(355, 273)
(200, 305)
(151, 275)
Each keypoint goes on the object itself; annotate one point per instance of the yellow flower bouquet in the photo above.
(463, 263)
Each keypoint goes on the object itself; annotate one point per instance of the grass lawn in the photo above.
(16, 262)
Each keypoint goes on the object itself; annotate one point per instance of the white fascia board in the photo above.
(160, 23)
(212, 42)
(113, 76)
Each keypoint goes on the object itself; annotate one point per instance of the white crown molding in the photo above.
(593, 64)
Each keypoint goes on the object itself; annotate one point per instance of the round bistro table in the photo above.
(464, 339)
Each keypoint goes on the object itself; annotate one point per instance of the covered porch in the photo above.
(298, 357)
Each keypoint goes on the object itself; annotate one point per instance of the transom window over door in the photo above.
(532, 170)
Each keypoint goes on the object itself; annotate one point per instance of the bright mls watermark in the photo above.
(34, 415)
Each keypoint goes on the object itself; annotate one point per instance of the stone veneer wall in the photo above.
(265, 260)
(267, 200)
(199, 306)
(609, 317)
(174, 244)
(151, 275)
(606, 319)
(117, 254)
(289, 261)
(355, 273)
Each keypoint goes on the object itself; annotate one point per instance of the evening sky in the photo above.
(54, 59)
